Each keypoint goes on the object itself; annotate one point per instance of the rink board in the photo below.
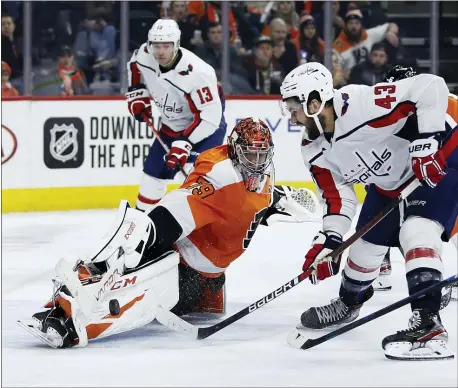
(87, 153)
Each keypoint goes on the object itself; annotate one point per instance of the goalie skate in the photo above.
(425, 339)
(32, 327)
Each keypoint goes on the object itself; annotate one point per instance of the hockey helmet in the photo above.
(165, 30)
(303, 80)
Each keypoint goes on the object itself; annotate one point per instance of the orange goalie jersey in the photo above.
(219, 216)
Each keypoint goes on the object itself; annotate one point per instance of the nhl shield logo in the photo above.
(63, 145)
(63, 142)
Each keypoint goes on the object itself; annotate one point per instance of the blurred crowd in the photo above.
(76, 44)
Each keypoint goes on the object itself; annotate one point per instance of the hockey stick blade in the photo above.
(175, 323)
(297, 339)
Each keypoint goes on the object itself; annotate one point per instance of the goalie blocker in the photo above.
(174, 257)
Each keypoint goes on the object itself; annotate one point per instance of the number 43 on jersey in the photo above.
(385, 99)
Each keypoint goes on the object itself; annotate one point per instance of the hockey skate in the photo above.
(383, 281)
(334, 314)
(425, 339)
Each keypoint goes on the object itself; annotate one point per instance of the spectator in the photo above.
(210, 52)
(284, 51)
(8, 90)
(95, 47)
(265, 74)
(65, 79)
(285, 11)
(338, 22)
(207, 12)
(373, 70)
(247, 19)
(309, 44)
(10, 49)
(354, 43)
(189, 38)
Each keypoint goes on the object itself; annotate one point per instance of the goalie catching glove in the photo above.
(291, 205)
(317, 257)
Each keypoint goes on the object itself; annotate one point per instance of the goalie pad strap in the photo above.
(167, 231)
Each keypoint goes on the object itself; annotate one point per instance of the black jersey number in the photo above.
(253, 226)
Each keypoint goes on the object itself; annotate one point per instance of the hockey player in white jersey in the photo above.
(381, 136)
(383, 281)
(186, 92)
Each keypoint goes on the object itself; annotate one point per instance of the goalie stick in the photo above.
(175, 323)
(297, 339)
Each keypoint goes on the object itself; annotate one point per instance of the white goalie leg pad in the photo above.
(420, 239)
(109, 245)
(130, 229)
(296, 205)
(85, 301)
(132, 301)
(364, 259)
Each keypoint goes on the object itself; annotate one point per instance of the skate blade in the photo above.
(301, 328)
(436, 350)
(382, 288)
(36, 333)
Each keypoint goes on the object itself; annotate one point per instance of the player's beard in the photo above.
(311, 128)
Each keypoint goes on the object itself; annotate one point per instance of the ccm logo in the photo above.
(127, 282)
(129, 231)
(420, 147)
(107, 284)
(134, 94)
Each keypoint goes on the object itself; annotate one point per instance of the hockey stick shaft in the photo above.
(412, 184)
(310, 343)
(159, 139)
(205, 332)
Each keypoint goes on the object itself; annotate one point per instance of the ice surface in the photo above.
(251, 352)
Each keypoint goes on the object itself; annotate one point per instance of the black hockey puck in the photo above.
(114, 307)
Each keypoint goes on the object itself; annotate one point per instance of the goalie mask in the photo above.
(251, 149)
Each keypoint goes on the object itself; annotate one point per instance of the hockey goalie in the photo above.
(174, 255)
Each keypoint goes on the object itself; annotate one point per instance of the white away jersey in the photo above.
(373, 131)
(187, 95)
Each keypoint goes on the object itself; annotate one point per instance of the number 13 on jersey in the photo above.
(384, 91)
